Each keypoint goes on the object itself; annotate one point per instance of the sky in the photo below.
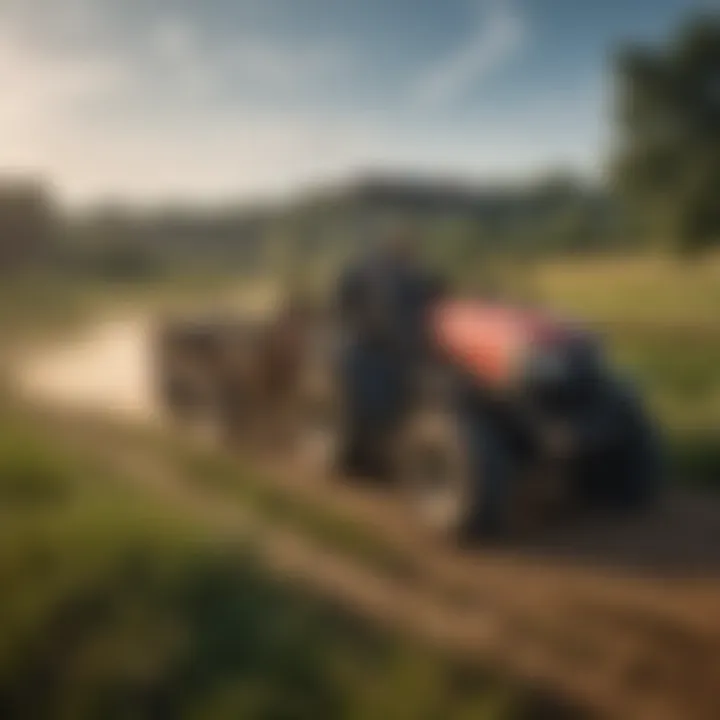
(160, 100)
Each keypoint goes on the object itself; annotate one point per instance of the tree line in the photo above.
(662, 191)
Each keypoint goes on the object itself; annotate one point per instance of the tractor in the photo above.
(515, 414)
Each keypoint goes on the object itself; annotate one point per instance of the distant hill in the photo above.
(558, 212)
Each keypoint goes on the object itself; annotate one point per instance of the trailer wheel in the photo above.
(454, 472)
(193, 402)
(175, 399)
(208, 424)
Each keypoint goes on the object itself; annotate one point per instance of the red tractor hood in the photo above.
(492, 341)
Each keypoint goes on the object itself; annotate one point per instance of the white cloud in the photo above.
(282, 66)
(75, 19)
(247, 63)
(209, 158)
(175, 42)
(183, 59)
(42, 91)
(55, 116)
(34, 79)
(499, 37)
(104, 120)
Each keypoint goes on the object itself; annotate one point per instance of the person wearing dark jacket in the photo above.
(382, 302)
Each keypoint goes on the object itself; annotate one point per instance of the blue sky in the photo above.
(212, 99)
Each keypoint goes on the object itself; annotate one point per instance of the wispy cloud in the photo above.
(171, 109)
(182, 58)
(126, 120)
(175, 42)
(43, 91)
(249, 62)
(276, 65)
(498, 38)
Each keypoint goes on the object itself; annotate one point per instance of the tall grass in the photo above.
(111, 607)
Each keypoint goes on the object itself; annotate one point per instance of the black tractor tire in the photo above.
(636, 466)
(454, 470)
(628, 476)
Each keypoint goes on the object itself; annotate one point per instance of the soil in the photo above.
(620, 615)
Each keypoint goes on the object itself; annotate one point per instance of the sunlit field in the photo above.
(118, 605)
(661, 320)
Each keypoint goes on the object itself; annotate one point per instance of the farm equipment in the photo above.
(512, 412)
(519, 413)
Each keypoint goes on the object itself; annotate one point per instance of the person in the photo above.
(383, 302)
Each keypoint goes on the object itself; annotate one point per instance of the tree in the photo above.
(668, 162)
(29, 224)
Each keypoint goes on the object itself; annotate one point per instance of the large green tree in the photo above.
(668, 163)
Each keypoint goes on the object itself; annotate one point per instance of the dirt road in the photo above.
(625, 615)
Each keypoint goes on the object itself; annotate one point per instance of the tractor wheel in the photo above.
(635, 468)
(627, 474)
(455, 474)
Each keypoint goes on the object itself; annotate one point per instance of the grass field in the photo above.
(661, 321)
(117, 607)
(120, 608)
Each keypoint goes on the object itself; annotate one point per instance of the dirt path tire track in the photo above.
(645, 639)
(629, 645)
(478, 632)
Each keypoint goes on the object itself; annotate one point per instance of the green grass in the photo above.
(660, 319)
(216, 473)
(223, 476)
(658, 290)
(114, 607)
